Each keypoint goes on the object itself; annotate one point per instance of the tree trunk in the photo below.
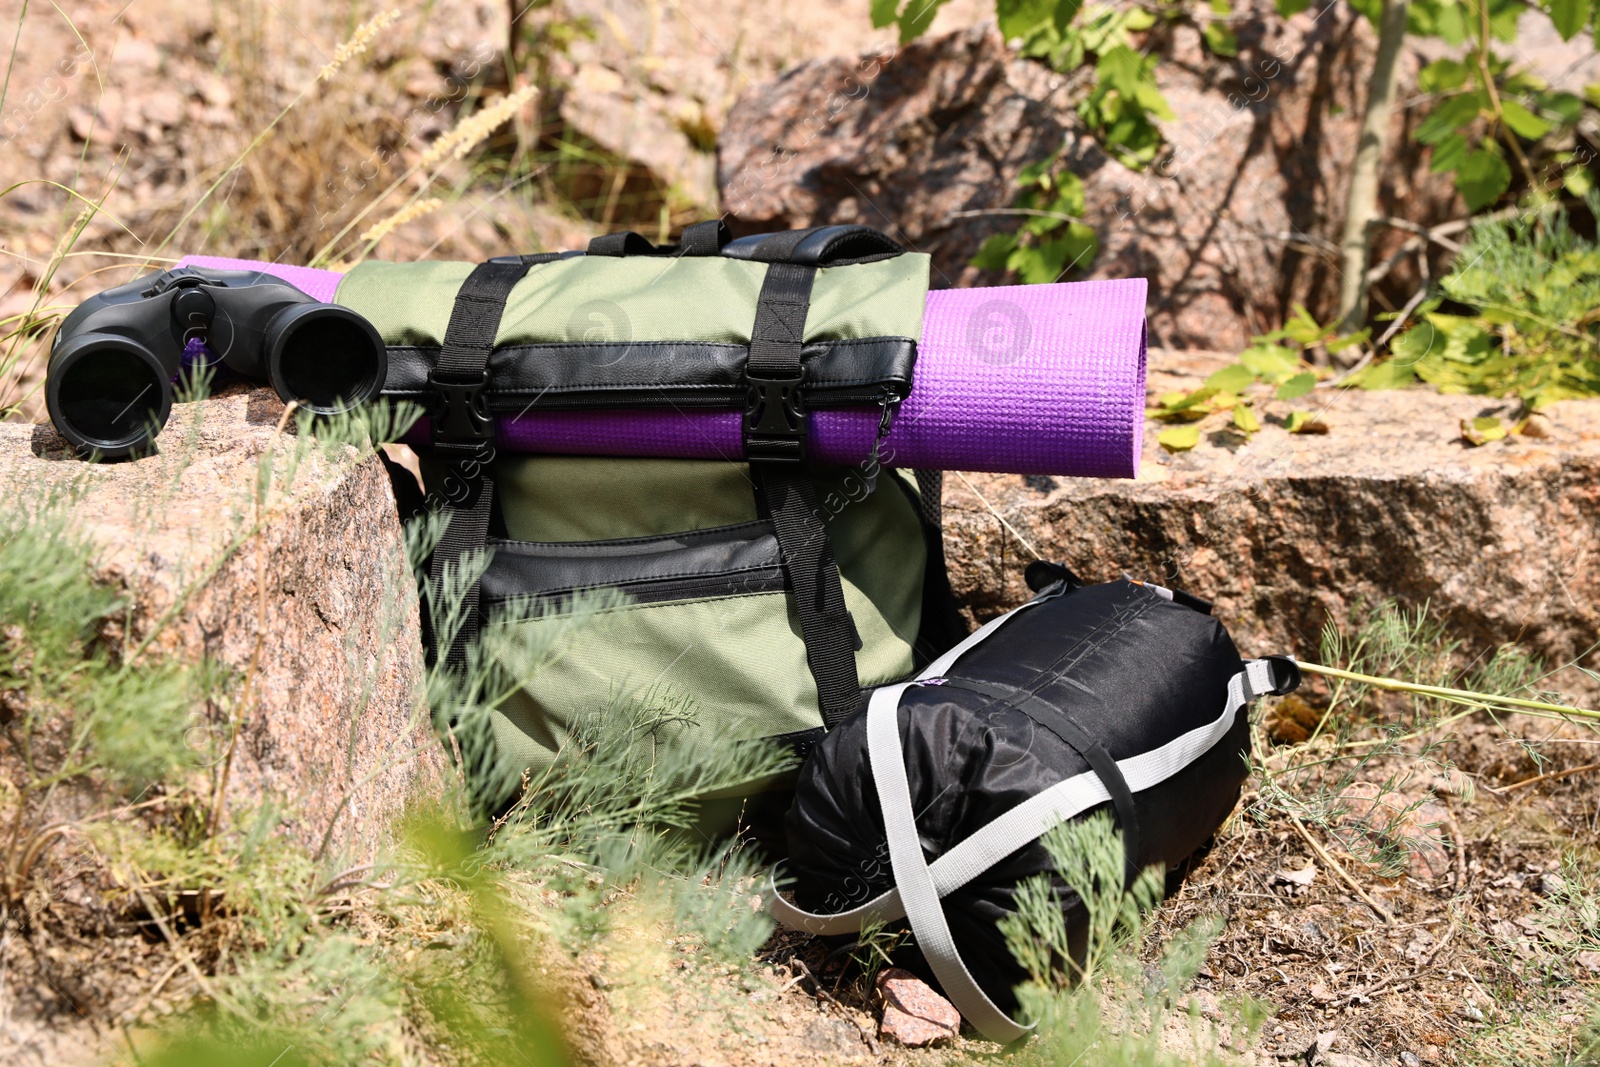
(1362, 206)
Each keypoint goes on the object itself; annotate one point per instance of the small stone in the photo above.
(913, 1014)
(1410, 1059)
(164, 107)
(1471, 1012)
(1304, 876)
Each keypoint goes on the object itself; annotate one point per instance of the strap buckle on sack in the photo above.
(463, 413)
(775, 419)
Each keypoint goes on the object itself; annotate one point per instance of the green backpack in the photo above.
(771, 592)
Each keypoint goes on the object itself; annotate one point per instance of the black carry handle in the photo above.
(819, 246)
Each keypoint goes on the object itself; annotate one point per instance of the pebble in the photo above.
(1410, 1059)
(913, 1014)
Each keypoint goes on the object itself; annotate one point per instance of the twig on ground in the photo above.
(866, 1035)
(1482, 701)
(1443, 941)
(1344, 875)
(1548, 777)
(171, 939)
(1392, 980)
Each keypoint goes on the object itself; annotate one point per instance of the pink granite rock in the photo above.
(303, 595)
(913, 1014)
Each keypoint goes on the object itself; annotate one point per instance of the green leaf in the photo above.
(1303, 327)
(1372, 9)
(1179, 438)
(1482, 430)
(1287, 8)
(1066, 11)
(1390, 374)
(1567, 107)
(1272, 363)
(1298, 386)
(1449, 154)
(1234, 378)
(1568, 16)
(1195, 405)
(1339, 344)
(884, 12)
(1503, 21)
(1019, 18)
(1449, 117)
(996, 251)
(1245, 420)
(916, 18)
(1482, 178)
(1304, 422)
(1443, 75)
(1522, 121)
(1036, 173)
(1220, 39)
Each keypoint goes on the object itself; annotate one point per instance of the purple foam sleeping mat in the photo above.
(1020, 379)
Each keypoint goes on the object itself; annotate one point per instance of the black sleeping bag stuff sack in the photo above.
(1121, 695)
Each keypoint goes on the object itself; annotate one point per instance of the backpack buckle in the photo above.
(463, 413)
(774, 419)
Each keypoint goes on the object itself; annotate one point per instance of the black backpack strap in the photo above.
(463, 427)
(814, 585)
(1056, 719)
(774, 416)
(627, 243)
(704, 238)
(775, 444)
(942, 627)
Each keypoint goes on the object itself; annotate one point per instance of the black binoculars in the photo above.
(117, 356)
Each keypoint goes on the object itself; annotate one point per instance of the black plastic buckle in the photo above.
(1286, 674)
(775, 419)
(463, 413)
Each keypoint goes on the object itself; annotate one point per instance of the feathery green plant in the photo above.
(1532, 284)
(1104, 1006)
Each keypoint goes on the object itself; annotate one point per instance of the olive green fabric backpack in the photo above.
(770, 592)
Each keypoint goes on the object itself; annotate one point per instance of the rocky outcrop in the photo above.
(652, 84)
(1285, 532)
(1235, 225)
(282, 564)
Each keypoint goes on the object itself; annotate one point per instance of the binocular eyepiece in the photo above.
(117, 356)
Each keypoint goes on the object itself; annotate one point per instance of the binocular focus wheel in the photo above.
(325, 357)
(108, 395)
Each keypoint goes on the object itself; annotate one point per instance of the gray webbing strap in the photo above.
(911, 874)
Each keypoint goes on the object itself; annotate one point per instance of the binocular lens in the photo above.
(107, 394)
(326, 357)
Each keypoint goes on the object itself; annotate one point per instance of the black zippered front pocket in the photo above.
(738, 560)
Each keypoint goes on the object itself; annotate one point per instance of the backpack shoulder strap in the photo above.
(775, 444)
(463, 434)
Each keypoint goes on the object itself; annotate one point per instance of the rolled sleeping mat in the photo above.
(1036, 379)
(925, 809)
